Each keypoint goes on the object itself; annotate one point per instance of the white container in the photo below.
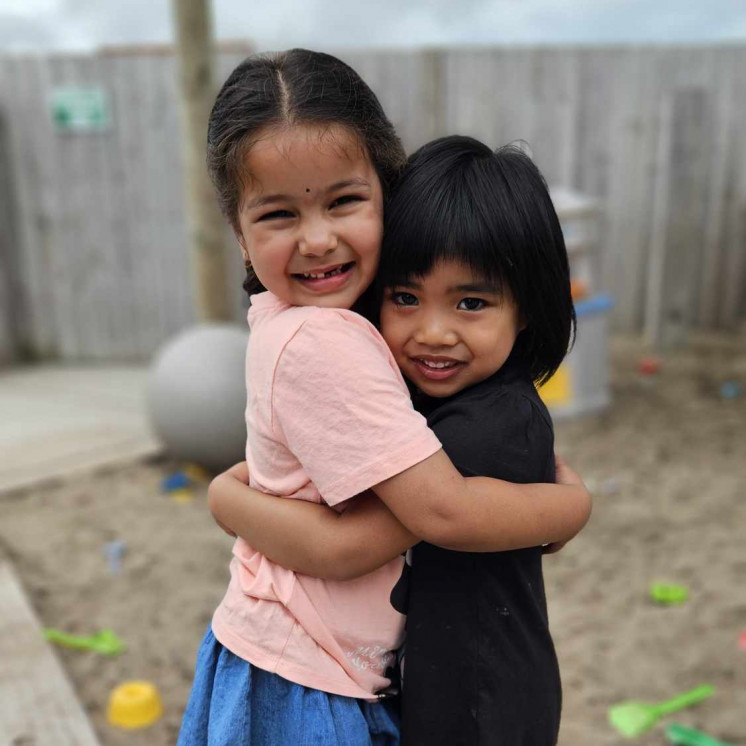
(581, 385)
(578, 216)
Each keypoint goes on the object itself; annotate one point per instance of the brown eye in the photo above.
(345, 200)
(471, 304)
(403, 299)
(275, 215)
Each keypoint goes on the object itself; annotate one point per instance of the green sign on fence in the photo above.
(79, 109)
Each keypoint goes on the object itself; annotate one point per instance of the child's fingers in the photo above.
(563, 473)
(553, 548)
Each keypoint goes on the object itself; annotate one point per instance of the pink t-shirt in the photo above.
(328, 416)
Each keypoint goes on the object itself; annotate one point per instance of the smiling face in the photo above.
(449, 329)
(311, 215)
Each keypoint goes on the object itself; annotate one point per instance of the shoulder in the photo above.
(315, 320)
(503, 431)
(268, 311)
(494, 407)
(327, 332)
(338, 348)
(302, 331)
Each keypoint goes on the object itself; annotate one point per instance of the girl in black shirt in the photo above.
(476, 307)
(474, 298)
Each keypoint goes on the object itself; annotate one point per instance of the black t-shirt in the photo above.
(480, 667)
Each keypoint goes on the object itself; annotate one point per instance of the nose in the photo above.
(317, 238)
(435, 331)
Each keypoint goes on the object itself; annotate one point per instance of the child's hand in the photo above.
(553, 548)
(563, 475)
(240, 473)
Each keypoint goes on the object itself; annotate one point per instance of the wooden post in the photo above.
(11, 306)
(196, 63)
(678, 231)
(433, 92)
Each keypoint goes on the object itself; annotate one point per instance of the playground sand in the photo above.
(666, 464)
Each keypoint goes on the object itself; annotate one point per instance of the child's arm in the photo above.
(478, 514)
(307, 537)
(563, 474)
(315, 540)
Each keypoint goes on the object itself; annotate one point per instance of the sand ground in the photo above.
(666, 464)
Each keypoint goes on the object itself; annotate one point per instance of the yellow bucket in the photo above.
(134, 704)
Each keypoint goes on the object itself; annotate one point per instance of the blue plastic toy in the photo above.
(114, 552)
(176, 481)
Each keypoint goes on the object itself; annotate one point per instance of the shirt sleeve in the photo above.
(343, 409)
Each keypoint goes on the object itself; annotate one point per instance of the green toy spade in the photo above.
(683, 736)
(104, 642)
(632, 719)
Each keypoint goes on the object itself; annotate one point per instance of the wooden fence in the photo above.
(92, 244)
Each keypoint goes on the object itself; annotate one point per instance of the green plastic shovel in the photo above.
(104, 642)
(683, 736)
(633, 718)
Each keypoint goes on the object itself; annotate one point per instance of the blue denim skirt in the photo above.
(233, 703)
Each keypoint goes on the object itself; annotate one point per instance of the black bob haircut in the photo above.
(457, 200)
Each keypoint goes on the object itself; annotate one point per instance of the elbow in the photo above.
(342, 574)
(347, 563)
(324, 570)
(579, 517)
(586, 509)
(439, 527)
(333, 566)
(337, 562)
(213, 503)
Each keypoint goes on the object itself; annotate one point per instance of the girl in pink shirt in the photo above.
(302, 157)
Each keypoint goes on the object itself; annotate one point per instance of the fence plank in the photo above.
(683, 219)
(31, 155)
(10, 296)
(720, 185)
(733, 307)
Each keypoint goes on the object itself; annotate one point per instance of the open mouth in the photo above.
(438, 364)
(437, 370)
(325, 280)
(323, 275)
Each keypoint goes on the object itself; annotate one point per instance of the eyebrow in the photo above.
(473, 287)
(268, 198)
(476, 287)
(261, 201)
(357, 181)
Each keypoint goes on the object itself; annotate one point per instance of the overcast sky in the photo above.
(39, 25)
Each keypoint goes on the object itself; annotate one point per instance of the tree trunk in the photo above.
(207, 248)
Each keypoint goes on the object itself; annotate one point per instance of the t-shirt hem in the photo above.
(257, 657)
(381, 470)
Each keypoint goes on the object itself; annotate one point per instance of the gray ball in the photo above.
(197, 395)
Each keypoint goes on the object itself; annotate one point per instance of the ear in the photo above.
(242, 243)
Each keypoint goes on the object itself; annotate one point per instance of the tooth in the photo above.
(439, 364)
